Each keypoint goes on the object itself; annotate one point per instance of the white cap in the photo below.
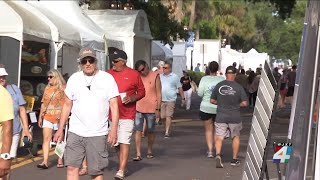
(154, 68)
(3, 72)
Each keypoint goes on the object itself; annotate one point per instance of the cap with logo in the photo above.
(87, 52)
(118, 54)
(3, 72)
(231, 70)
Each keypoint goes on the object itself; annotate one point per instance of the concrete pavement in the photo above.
(182, 157)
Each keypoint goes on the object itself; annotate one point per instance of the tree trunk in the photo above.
(179, 12)
(192, 15)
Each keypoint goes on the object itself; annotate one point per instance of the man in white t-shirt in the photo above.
(90, 94)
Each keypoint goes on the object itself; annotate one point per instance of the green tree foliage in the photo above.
(161, 25)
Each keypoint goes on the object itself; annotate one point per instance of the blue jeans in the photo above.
(150, 119)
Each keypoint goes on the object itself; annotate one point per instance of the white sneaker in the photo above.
(119, 175)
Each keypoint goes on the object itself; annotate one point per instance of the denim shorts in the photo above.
(150, 119)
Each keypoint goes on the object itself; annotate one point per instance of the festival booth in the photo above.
(128, 26)
(91, 34)
(179, 62)
(28, 47)
(252, 59)
(160, 53)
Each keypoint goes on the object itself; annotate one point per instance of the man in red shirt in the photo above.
(131, 90)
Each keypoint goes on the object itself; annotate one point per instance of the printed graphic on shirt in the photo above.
(226, 90)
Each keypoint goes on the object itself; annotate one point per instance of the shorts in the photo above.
(48, 124)
(125, 129)
(206, 116)
(290, 91)
(93, 148)
(150, 119)
(167, 109)
(14, 145)
(223, 128)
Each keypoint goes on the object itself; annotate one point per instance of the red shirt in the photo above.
(128, 81)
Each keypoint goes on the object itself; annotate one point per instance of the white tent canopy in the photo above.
(160, 52)
(179, 63)
(34, 22)
(91, 34)
(130, 27)
(122, 23)
(11, 22)
(67, 32)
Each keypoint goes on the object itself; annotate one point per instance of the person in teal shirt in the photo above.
(208, 111)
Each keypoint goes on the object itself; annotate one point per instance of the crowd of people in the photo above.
(109, 107)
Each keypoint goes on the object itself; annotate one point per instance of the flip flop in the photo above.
(60, 165)
(138, 158)
(150, 156)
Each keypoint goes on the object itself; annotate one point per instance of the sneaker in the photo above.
(219, 162)
(209, 155)
(167, 136)
(235, 162)
(119, 175)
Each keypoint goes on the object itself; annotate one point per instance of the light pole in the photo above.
(191, 60)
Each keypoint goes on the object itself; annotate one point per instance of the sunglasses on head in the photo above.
(85, 61)
(50, 77)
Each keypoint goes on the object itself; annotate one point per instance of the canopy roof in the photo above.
(11, 22)
(67, 32)
(91, 34)
(160, 52)
(33, 21)
(121, 22)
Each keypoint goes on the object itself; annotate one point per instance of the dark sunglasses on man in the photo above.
(85, 61)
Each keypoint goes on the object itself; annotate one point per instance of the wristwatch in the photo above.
(5, 156)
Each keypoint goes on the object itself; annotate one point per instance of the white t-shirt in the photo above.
(90, 110)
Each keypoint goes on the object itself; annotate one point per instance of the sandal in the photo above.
(60, 165)
(83, 171)
(42, 166)
(150, 156)
(138, 158)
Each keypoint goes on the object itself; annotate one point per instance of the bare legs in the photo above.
(209, 132)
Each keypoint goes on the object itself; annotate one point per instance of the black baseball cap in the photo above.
(231, 70)
(118, 54)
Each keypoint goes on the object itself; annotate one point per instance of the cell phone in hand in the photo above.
(26, 142)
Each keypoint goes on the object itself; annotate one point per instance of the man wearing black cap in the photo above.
(90, 94)
(131, 90)
(229, 96)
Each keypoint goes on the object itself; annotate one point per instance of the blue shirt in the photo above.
(18, 101)
(169, 83)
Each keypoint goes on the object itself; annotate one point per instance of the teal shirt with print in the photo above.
(206, 86)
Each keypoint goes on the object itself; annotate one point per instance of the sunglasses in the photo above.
(165, 67)
(141, 69)
(85, 61)
(115, 61)
(50, 77)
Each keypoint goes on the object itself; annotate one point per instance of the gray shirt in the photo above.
(229, 95)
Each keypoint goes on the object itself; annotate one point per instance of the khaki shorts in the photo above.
(227, 129)
(125, 130)
(93, 148)
(167, 109)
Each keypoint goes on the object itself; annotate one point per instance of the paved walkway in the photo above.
(182, 157)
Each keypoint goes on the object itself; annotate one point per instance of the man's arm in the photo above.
(24, 120)
(244, 104)
(213, 101)
(159, 96)
(6, 136)
(112, 137)
(66, 109)
(140, 92)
